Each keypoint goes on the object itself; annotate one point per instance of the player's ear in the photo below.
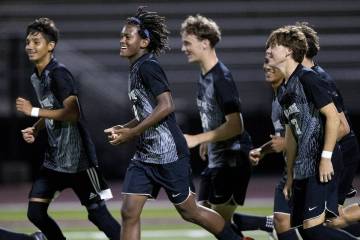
(144, 42)
(205, 44)
(51, 46)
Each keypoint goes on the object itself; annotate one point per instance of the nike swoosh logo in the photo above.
(310, 209)
(175, 195)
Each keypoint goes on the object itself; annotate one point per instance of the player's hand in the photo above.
(277, 143)
(326, 170)
(121, 135)
(110, 132)
(288, 188)
(191, 140)
(255, 156)
(203, 151)
(29, 134)
(24, 106)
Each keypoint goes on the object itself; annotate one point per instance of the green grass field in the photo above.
(159, 221)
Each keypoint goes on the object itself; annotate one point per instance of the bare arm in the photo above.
(70, 111)
(331, 131)
(230, 128)
(164, 107)
(344, 127)
(291, 152)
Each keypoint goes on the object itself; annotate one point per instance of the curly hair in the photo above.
(152, 27)
(291, 37)
(45, 26)
(203, 28)
(312, 39)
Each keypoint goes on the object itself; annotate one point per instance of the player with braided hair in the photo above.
(162, 157)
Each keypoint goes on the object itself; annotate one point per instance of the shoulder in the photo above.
(309, 77)
(222, 73)
(150, 64)
(60, 70)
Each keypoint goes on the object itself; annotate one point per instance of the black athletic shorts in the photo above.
(281, 205)
(147, 178)
(351, 157)
(223, 185)
(89, 185)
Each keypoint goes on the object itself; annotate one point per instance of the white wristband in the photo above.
(326, 154)
(35, 112)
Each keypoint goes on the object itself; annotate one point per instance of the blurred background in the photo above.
(89, 47)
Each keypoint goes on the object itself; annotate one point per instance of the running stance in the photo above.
(312, 124)
(70, 160)
(223, 143)
(162, 157)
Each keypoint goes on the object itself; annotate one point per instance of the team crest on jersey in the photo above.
(291, 110)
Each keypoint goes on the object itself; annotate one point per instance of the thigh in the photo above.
(204, 186)
(298, 202)
(90, 187)
(281, 204)
(320, 198)
(47, 183)
(239, 182)
(139, 180)
(176, 179)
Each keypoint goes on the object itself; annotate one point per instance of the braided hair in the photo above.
(152, 27)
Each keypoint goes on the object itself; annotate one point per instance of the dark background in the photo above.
(89, 46)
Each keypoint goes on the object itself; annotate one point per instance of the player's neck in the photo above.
(209, 60)
(307, 62)
(42, 63)
(289, 68)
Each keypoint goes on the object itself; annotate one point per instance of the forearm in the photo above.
(232, 127)
(291, 151)
(158, 114)
(61, 114)
(344, 127)
(331, 132)
(131, 124)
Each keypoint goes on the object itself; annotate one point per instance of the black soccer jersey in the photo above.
(276, 118)
(70, 147)
(301, 99)
(218, 97)
(164, 142)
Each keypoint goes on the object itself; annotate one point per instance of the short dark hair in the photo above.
(45, 26)
(203, 28)
(291, 37)
(312, 39)
(153, 27)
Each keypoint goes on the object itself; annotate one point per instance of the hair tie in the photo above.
(144, 31)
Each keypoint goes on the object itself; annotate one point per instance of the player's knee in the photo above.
(96, 210)
(129, 213)
(189, 216)
(37, 212)
(281, 222)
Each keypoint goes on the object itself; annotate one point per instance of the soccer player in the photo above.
(347, 139)
(7, 235)
(282, 210)
(223, 142)
(312, 124)
(70, 160)
(348, 143)
(162, 157)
